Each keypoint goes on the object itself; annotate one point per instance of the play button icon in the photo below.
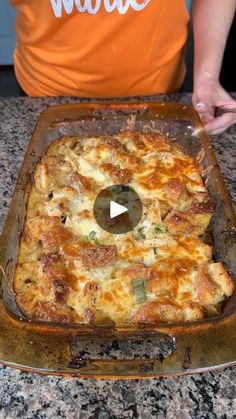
(118, 209)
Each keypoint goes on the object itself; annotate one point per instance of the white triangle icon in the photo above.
(116, 209)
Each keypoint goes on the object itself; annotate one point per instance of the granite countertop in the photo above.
(26, 395)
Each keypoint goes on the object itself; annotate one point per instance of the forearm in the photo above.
(212, 20)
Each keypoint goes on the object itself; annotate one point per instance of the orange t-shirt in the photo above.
(100, 48)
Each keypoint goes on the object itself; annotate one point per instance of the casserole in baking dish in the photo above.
(52, 345)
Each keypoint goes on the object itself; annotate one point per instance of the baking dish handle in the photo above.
(205, 348)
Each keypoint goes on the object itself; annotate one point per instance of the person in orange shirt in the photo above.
(114, 48)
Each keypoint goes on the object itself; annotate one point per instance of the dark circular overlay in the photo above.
(122, 195)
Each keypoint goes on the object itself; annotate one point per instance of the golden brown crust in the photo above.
(177, 223)
(54, 266)
(169, 275)
(207, 290)
(167, 311)
(72, 249)
(97, 257)
(37, 225)
(137, 271)
(176, 190)
(52, 240)
(193, 311)
(201, 208)
(220, 276)
(118, 176)
(114, 143)
(213, 284)
(83, 184)
(61, 290)
(158, 311)
(51, 312)
(192, 221)
(51, 173)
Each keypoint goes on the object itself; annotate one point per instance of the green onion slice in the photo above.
(141, 233)
(139, 286)
(92, 237)
(160, 228)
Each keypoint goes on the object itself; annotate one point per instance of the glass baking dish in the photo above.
(132, 351)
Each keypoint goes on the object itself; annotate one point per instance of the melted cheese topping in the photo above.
(70, 270)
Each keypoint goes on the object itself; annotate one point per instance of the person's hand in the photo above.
(209, 96)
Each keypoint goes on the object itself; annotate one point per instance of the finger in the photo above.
(227, 104)
(220, 124)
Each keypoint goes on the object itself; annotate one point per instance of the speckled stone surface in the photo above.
(26, 395)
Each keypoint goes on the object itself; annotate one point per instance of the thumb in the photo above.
(204, 105)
